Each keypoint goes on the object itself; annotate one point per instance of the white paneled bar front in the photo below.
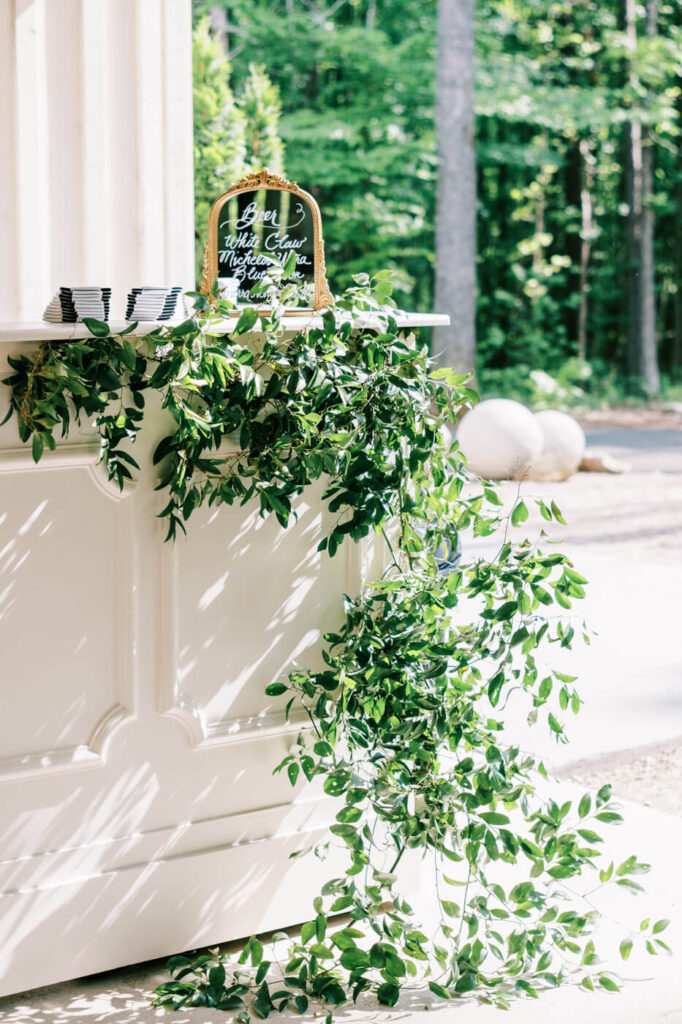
(139, 815)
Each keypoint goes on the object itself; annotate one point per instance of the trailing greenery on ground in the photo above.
(406, 727)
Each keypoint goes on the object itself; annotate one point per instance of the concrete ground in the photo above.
(624, 534)
(652, 991)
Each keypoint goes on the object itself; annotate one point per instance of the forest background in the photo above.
(577, 189)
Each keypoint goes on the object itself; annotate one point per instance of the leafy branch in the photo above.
(405, 716)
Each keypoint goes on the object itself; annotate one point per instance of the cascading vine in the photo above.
(405, 723)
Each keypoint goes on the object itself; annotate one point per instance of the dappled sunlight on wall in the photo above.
(138, 810)
(260, 616)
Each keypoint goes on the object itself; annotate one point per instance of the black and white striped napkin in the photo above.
(71, 304)
(155, 304)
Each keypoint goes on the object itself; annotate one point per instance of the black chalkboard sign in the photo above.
(260, 217)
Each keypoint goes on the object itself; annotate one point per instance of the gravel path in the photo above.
(649, 775)
(635, 515)
(642, 417)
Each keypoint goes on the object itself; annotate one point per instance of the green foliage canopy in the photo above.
(556, 87)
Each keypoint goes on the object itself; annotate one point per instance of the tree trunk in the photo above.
(586, 231)
(676, 346)
(219, 26)
(455, 291)
(642, 356)
(572, 246)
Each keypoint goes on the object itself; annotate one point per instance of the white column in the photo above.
(96, 166)
(9, 228)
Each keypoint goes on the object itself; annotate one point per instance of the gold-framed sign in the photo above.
(265, 215)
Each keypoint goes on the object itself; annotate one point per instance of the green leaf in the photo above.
(247, 319)
(606, 873)
(289, 264)
(506, 611)
(627, 866)
(627, 883)
(556, 512)
(545, 688)
(589, 836)
(660, 926)
(129, 329)
(275, 689)
(263, 969)
(494, 818)
(604, 794)
(129, 355)
(96, 327)
(554, 725)
(255, 950)
(354, 959)
(188, 326)
(321, 951)
(388, 994)
(519, 514)
(37, 447)
(544, 511)
(395, 965)
(625, 948)
(589, 955)
(350, 814)
(377, 956)
(216, 978)
(177, 962)
(585, 805)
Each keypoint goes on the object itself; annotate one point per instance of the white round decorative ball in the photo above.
(562, 449)
(500, 439)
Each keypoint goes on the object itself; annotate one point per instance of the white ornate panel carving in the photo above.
(65, 608)
(261, 609)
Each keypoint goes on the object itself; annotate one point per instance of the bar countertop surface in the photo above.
(40, 331)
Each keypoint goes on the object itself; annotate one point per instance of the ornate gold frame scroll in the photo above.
(264, 179)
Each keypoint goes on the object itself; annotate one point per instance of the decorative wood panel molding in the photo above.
(119, 606)
(176, 703)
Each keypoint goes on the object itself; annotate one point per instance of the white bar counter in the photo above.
(138, 810)
(30, 332)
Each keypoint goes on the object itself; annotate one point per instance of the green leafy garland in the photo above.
(405, 727)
